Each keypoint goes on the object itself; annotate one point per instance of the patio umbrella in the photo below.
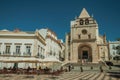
(20, 60)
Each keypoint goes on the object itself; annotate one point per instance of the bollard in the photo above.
(91, 67)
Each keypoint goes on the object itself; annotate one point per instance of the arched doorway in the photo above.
(84, 54)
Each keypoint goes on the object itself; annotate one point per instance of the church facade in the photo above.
(83, 43)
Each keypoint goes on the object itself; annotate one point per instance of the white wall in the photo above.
(13, 46)
(113, 52)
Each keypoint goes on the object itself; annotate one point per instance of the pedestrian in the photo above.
(69, 68)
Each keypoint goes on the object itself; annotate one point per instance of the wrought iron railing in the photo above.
(17, 53)
(27, 54)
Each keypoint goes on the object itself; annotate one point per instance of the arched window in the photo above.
(86, 21)
(81, 21)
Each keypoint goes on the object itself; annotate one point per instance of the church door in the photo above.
(84, 54)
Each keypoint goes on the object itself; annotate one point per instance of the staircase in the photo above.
(86, 66)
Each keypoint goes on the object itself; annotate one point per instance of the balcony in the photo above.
(6, 53)
(39, 55)
(27, 54)
(16, 54)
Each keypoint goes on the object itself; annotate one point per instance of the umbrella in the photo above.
(19, 59)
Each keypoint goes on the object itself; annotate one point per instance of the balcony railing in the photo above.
(14, 54)
(27, 54)
(17, 54)
(39, 55)
(6, 53)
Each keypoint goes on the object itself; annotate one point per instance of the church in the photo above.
(84, 44)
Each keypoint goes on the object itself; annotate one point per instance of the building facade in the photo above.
(54, 46)
(114, 49)
(19, 44)
(83, 43)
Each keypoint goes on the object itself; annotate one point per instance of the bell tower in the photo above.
(84, 27)
(84, 37)
(83, 43)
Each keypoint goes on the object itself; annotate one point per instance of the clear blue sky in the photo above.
(29, 15)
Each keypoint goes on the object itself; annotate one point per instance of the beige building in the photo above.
(83, 43)
(17, 46)
(53, 46)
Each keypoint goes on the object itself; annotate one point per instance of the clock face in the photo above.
(84, 31)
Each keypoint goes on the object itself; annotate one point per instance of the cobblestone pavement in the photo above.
(64, 76)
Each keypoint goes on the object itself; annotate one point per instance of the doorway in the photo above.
(84, 54)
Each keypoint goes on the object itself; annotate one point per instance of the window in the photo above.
(79, 36)
(17, 49)
(28, 48)
(50, 52)
(84, 31)
(118, 52)
(38, 48)
(0, 49)
(86, 21)
(41, 49)
(89, 36)
(118, 47)
(113, 46)
(81, 22)
(68, 56)
(7, 49)
(68, 42)
(114, 53)
(54, 54)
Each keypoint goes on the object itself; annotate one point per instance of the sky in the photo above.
(29, 15)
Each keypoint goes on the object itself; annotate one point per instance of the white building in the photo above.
(53, 45)
(19, 44)
(114, 48)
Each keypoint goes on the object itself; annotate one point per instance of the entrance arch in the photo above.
(84, 53)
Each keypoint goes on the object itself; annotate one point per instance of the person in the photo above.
(46, 69)
(61, 68)
(38, 72)
(69, 68)
(39, 67)
(28, 68)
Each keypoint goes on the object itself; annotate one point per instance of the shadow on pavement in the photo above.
(114, 74)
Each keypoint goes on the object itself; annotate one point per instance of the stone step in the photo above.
(101, 76)
(89, 76)
(95, 77)
(82, 77)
